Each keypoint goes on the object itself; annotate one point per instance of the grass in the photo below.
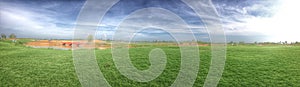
(262, 66)
(22, 66)
(245, 66)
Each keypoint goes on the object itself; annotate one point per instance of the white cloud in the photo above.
(31, 22)
(281, 26)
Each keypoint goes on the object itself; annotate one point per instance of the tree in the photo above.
(90, 38)
(3, 36)
(231, 43)
(12, 36)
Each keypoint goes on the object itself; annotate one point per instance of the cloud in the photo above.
(56, 19)
(246, 20)
(32, 22)
(118, 13)
(260, 20)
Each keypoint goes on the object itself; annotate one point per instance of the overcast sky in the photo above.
(243, 20)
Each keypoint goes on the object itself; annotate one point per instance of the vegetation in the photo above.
(90, 38)
(246, 65)
(284, 43)
(3, 36)
(12, 36)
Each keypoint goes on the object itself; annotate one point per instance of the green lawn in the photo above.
(245, 66)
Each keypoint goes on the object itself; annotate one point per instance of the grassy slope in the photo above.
(22, 66)
(245, 66)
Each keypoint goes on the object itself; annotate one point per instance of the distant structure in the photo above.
(71, 43)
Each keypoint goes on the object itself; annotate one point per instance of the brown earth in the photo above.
(99, 44)
(62, 44)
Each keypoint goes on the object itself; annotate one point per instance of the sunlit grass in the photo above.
(245, 66)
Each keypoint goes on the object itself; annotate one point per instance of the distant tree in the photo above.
(292, 43)
(90, 38)
(3, 36)
(255, 42)
(231, 43)
(12, 36)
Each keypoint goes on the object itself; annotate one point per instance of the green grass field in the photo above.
(245, 66)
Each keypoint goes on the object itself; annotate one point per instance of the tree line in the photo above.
(11, 36)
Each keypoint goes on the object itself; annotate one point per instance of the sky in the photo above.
(242, 20)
